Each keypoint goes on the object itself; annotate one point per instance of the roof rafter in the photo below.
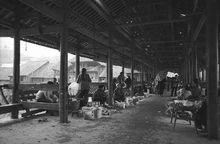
(153, 22)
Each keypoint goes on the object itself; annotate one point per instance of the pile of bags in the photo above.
(96, 111)
(92, 113)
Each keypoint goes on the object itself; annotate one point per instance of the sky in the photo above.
(33, 50)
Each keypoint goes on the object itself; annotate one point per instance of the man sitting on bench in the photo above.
(46, 96)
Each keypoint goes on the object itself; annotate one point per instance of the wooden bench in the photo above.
(26, 95)
(10, 107)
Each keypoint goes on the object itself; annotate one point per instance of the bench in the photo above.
(10, 107)
(26, 95)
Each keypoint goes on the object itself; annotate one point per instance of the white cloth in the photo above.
(73, 88)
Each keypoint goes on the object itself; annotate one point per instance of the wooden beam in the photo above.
(198, 28)
(118, 32)
(32, 31)
(10, 108)
(56, 15)
(138, 15)
(41, 105)
(152, 22)
(212, 81)
(40, 6)
(162, 42)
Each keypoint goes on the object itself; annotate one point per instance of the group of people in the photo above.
(100, 95)
(193, 92)
(121, 88)
(167, 82)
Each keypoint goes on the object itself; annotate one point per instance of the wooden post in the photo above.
(196, 64)
(16, 68)
(109, 71)
(63, 100)
(212, 82)
(188, 72)
(123, 68)
(191, 68)
(142, 76)
(132, 71)
(77, 63)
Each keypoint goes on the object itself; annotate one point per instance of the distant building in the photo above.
(4, 75)
(116, 73)
(35, 72)
(42, 71)
(94, 69)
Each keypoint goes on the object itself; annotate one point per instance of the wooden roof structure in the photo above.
(160, 31)
(157, 34)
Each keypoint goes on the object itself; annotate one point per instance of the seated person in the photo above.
(182, 94)
(46, 96)
(100, 95)
(201, 115)
(118, 94)
(185, 93)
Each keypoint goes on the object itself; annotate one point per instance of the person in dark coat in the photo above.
(161, 87)
(174, 86)
(84, 85)
(100, 95)
(128, 82)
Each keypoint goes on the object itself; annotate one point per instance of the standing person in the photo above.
(168, 84)
(114, 84)
(196, 89)
(121, 78)
(128, 82)
(174, 85)
(84, 85)
(161, 87)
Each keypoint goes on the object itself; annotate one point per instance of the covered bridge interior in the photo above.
(151, 35)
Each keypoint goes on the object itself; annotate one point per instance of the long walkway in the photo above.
(145, 123)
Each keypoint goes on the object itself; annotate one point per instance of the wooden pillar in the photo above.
(123, 68)
(110, 71)
(132, 71)
(77, 63)
(196, 63)
(142, 76)
(16, 68)
(189, 74)
(190, 69)
(63, 99)
(186, 72)
(212, 83)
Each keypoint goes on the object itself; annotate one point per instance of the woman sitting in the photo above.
(119, 94)
(185, 93)
(100, 95)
